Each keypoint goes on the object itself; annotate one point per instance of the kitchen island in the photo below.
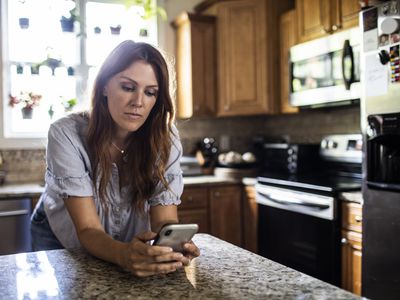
(222, 271)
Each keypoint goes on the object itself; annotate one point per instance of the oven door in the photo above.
(299, 230)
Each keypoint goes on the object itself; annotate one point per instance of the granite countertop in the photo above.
(35, 189)
(16, 190)
(222, 271)
(352, 197)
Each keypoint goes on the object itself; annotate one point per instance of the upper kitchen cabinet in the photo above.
(288, 38)
(195, 65)
(246, 54)
(317, 18)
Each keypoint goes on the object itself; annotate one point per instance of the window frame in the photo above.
(39, 142)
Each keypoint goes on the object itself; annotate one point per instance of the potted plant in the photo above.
(28, 101)
(150, 8)
(69, 104)
(23, 23)
(68, 22)
(115, 29)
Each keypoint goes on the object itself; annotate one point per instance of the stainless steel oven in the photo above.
(299, 219)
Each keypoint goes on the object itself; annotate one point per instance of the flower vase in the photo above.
(27, 112)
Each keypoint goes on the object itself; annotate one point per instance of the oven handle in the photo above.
(287, 201)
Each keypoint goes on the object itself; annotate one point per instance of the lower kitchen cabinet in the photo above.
(225, 213)
(194, 207)
(351, 246)
(250, 219)
(217, 210)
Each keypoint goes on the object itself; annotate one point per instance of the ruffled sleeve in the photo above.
(173, 176)
(67, 171)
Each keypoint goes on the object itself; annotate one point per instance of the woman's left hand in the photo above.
(190, 251)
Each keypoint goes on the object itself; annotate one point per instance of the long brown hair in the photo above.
(148, 148)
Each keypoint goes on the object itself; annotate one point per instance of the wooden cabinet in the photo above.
(242, 60)
(195, 65)
(225, 213)
(194, 208)
(246, 55)
(351, 246)
(317, 18)
(250, 219)
(288, 38)
(217, 209)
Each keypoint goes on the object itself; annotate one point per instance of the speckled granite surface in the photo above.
(223, 271)
(34, 189)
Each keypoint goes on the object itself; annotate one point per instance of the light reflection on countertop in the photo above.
(35, 277)
(223, 271)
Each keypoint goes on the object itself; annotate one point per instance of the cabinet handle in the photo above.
(336, 27)
(196, 107)
(226, 107)
(217, 194)
(358, 218)
(343, 241)
(190, 198)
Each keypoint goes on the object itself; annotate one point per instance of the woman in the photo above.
(113, 174)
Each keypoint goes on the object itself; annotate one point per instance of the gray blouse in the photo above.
(69, 174)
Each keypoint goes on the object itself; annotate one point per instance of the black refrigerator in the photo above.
(380, 123)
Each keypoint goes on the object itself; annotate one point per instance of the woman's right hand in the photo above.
(143, 260)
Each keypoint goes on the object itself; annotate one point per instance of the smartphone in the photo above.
(175, 235)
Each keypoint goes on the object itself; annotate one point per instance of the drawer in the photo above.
(352, 216)
(197, 216)
(194, 197)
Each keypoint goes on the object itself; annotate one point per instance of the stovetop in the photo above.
(313, 181)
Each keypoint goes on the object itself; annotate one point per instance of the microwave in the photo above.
(326, 71)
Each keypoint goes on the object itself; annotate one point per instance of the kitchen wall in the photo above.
(231, 133)
(236, 134)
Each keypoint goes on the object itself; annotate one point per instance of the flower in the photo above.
(27, 99)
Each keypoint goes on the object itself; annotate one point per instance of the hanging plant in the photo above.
(150, 8)
(23, 23)
(115, 29)
(68, 22)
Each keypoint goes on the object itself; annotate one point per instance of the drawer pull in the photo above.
(344, 241)
(358, 218)
(217, 194)
(190, 198)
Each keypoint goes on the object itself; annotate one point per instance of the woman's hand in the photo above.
(191, 251)
(144, 260)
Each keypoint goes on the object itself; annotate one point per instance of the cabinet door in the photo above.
(194, 207)
(225, 213)
(346, 14)
(250, 220)
(195, 66)
(351, 261)
(197, 216)
(314, 18)
(288, 38)
(241, 56)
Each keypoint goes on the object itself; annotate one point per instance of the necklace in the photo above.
(118, 148)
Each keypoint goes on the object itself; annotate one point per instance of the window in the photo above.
(50, 51)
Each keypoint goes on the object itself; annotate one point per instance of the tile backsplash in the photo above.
(236, 133)
(233, 133)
